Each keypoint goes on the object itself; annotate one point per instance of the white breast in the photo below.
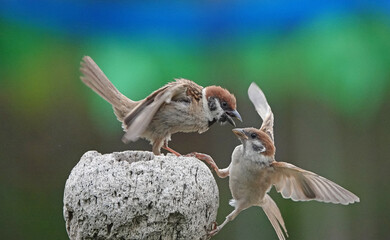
(249, 179)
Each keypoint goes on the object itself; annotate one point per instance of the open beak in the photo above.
(235, 114)
(230, 120)
(230, 114)
(240, 133)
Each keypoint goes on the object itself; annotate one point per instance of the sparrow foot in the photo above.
(213, 232)
(203, 157)
(190, 155)
(214, 225)
(222, 173)
(171, 150)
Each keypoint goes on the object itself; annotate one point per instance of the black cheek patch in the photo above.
(258, 148)
(212, 105)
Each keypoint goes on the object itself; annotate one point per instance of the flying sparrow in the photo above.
(253, 171)
(180, 106)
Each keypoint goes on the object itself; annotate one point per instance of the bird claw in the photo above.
(213, 232)
(204, 157)
(214, 225)
(200, 156)
(190, 154)
(165, 146)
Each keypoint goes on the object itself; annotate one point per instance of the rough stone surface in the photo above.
(136, 195)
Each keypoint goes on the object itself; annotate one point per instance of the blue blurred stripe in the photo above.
(189, 18)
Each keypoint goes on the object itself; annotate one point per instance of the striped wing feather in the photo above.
(138, 120)
(301, 185)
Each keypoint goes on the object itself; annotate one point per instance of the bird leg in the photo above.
(222, 173)
(165, 146)
(229, 218)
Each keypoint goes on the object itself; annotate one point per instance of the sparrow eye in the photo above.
(224, 104)
(253, 135)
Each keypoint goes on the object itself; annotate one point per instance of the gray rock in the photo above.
(136, 195)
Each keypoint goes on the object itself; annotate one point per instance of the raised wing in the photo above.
(139, 119)
(301, 185)
(263, 109)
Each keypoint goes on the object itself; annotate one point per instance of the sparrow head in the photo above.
(221, 105)
(255, 141)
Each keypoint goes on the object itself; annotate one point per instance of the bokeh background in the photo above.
(325, 69)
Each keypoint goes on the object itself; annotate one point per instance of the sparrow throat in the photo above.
(212, 122)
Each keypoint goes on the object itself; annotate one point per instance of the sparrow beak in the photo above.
(230, 120)
(235, 114)
(240, 133)
(230, 114)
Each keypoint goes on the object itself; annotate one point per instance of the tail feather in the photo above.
(94, 78)
(275, 217)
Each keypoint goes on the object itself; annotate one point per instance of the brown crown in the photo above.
(222, 94)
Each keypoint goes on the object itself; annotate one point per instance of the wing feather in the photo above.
(139, 119)
(262, 107)
(301, 185)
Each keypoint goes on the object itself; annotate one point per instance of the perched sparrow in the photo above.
(253, 171)
(180, 106)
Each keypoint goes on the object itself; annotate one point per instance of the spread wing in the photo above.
(263, 109)
(141, 116)
(301, 185)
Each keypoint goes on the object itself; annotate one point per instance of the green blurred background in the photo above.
(324, 67)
